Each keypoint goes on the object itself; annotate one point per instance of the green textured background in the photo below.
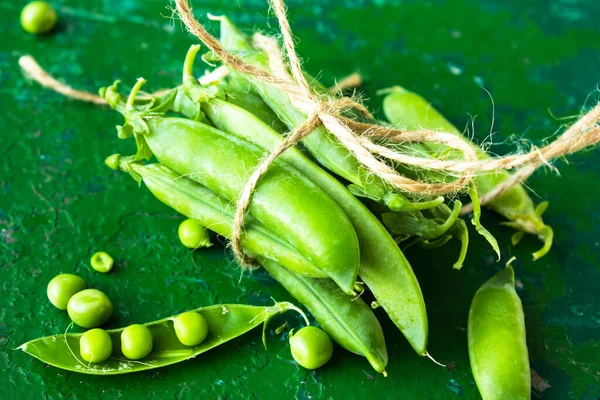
(59, 203)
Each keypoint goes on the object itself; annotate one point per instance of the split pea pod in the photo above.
(203, 205)
(323, 146)
(350, 322)
(285, 201)
(225, 322)
(412, 111)
(497, 345)
(383, 267)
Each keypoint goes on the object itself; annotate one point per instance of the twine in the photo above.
(351, 81)
(356, 137)
(327, 112)
(33, 71)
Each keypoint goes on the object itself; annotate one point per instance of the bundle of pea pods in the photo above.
(323, 238)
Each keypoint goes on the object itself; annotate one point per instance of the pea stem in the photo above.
(444, 227)
(289, 306)
(547, 235)
(134, 91)
(434, 360)
(399, 203)
(188, 63)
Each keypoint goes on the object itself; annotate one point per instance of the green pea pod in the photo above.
(383, 267)
(497, 345)
(285, 201)
(350, 322)
(243, 95)
(413, 112)
(200, 203)
(225, 322)
(239, 93)
(323, 146)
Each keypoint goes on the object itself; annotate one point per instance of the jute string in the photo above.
(356, 137)
(33, 70)
(327, 112)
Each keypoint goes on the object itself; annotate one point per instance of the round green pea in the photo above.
(193, 235)
(311, 347)
(136, 342)
(102, 262)
(95, 346)
(62, 287)
(89, 308)
(38, 17)
(191, 328)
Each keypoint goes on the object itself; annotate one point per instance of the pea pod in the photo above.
(350, 322)
(383, 267)
(323, 146)
(238, 92)
(225, 322)
(497, 345)
(285, 201)
(413, 112)
(196, 201)
(243, 95)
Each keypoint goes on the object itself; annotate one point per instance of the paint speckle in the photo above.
(454, 70)
(538, 383)
(455, 388)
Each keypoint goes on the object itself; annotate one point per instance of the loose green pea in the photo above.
(102, 262)
(191, 328)
(62, 287)
(38, 17)
(89, 308)
(193, 235)
(95, 346)
(136, 342)
(311, 347)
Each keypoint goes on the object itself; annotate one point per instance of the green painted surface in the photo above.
(59, 204)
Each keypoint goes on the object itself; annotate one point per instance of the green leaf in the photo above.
(143, 150)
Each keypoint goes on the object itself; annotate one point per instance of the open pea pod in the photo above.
(412, 111)
(225, 322)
